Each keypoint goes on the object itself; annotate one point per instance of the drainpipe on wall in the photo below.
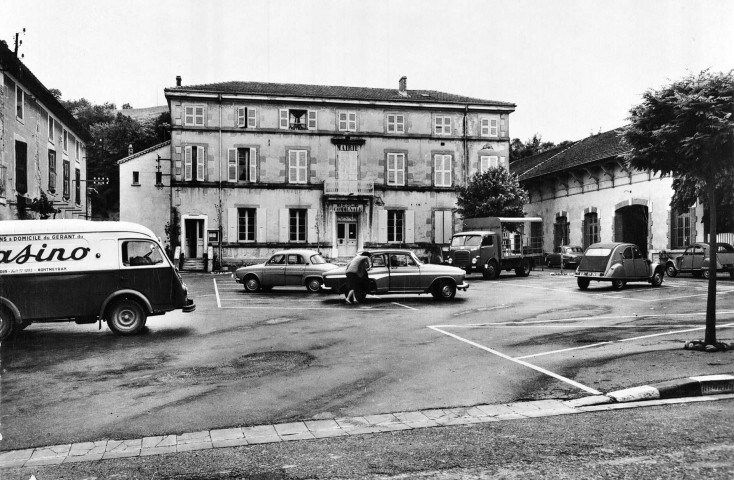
(466, 151)
(220, 213)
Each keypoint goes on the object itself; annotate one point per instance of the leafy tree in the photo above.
(688, 190)
(532, 146)
(494, 193)
(686, 129)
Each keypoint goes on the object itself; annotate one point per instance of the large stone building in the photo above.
(586, 193)
(262, 166)
(42, 148)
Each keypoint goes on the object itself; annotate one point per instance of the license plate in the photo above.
(590, 274)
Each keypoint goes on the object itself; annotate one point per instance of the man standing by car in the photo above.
(357, 279)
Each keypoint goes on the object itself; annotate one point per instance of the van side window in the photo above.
(137, 253)
(487, 241)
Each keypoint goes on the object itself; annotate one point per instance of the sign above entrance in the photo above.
(347, 148)
(348, 208)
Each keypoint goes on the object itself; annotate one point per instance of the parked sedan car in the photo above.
(285, 268)
(696, 260)
(618, 263)
(400, 271)
(565, 255)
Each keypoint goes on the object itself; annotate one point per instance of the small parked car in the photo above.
(285, 268)
(565, 255)
(696, 260)
(400, 271)
(618, 263)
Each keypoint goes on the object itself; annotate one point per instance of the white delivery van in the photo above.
(82, 271)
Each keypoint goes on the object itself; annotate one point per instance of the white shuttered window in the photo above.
(442, 170)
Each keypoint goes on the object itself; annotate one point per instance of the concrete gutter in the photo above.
(718, 387)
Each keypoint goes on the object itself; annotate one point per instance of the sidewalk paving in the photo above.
(715, 386)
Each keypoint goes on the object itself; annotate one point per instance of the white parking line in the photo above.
(216, 291)
(520, 362)
(404, 306)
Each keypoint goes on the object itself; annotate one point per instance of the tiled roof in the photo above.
(607, 145)
(143, 152)
(11, 64)
(335, 92)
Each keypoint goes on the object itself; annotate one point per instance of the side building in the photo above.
(42, 149)
(586, 193)
(263, 166)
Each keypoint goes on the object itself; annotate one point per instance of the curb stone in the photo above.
(313, 429)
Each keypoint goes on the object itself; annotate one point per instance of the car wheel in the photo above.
(444, 290)
(618, 284)
(583, 283)
(706, 273)
(313, 285)
(657, 278)
(126, 317)
(6, 323)
(491, 271)
(252, 284)
(523, 270)
(548, 263)
(671, 270)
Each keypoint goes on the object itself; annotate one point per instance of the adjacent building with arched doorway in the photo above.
(587, 194)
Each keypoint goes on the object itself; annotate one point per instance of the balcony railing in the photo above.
(349, 187)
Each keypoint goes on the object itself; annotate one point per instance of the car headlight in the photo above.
(474, 260)
(450, 260)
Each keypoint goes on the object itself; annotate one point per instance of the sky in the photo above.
(572, 67)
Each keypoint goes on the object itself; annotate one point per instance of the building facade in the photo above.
(586, 193)
(145, 189)
(259, 166)
(42, 149)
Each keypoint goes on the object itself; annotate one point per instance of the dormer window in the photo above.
(297, 119)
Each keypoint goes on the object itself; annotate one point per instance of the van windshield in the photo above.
(468, 240)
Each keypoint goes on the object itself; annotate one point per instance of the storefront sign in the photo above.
(347, 147)
(348, 208)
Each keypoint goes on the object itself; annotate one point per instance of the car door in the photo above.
(698, 257)
(379, 273)
(294, 269)
(628, 262)
(273, 274)
(640, 262)
(144, 269)
(686, 262)
(405, 274)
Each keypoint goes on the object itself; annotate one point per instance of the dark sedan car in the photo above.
(696, 260)
(285, 268)
(618, 263)
(400, 271)
(565, 255)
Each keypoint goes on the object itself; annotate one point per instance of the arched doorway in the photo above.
(630, 225)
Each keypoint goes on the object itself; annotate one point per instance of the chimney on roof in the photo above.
(178, 80)
(403, 86)
(129, 149)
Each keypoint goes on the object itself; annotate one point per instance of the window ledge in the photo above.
(134, 184)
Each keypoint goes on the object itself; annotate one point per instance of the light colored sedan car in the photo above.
(618, 263)
(285, 268)
(400, 271)
(697, 258)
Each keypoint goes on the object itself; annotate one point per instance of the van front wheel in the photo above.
(126, 317)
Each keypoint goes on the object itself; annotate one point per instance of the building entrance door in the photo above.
(346, 237)
(194, 238)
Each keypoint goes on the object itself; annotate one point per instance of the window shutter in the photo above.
(188, 174)
(253, 164)
(283, 225)
(493, 127)
(400, 165)
(438, 227)
(447, 126)
(503, 162)
(503, 126)
(200, 163)
(232, 225)
(400, 124)
(391, 124)
(261, 224)
(409, 226)
(284, 118)
(199, 116)
(232, 164)
(241, 116)
(382, 226)
(352, 121)
(342, 121)
(311, 225)
(251, 117)
(188, 115)
(484, 128)
(312, 124)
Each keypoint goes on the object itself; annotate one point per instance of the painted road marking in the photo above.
(404, 306)
(520, 362)
(216, 291)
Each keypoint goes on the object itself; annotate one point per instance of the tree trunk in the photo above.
(710, 338)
